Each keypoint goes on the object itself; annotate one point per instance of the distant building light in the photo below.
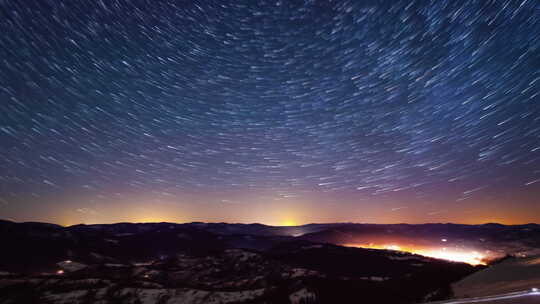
(444, 240)
(392, 247)
(68, 261)
(60, 271)
(534, 289)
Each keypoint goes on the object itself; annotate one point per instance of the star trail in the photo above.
(270, 111)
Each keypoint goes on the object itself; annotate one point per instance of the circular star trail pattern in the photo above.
(373, 97)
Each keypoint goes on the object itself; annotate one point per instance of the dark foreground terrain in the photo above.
(211, 263)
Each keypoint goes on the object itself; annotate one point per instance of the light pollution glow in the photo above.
(264, 207)
(470, 257)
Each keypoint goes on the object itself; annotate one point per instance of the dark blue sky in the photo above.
(236, 110)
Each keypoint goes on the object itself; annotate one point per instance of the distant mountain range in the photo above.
(237, 263)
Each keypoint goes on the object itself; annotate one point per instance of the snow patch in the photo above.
(302, 295)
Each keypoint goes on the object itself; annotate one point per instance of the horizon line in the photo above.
(257, 223)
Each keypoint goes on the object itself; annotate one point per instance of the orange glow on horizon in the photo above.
(288, 222)
(470, 257)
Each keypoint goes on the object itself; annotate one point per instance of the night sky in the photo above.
(280, 112)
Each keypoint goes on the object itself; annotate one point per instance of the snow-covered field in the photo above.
(511, 275)
(530, 296)
(513, 281)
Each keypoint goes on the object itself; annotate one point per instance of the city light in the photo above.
(454, 255)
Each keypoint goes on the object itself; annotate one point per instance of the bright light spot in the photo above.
(473, 258)
(534, 289)
(469, 257)
(444, 240)
(392, 247)
(68, 261)
(60, 271)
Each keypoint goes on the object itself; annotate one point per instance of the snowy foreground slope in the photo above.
(510, 275)
(513, 280)
(529, 296)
